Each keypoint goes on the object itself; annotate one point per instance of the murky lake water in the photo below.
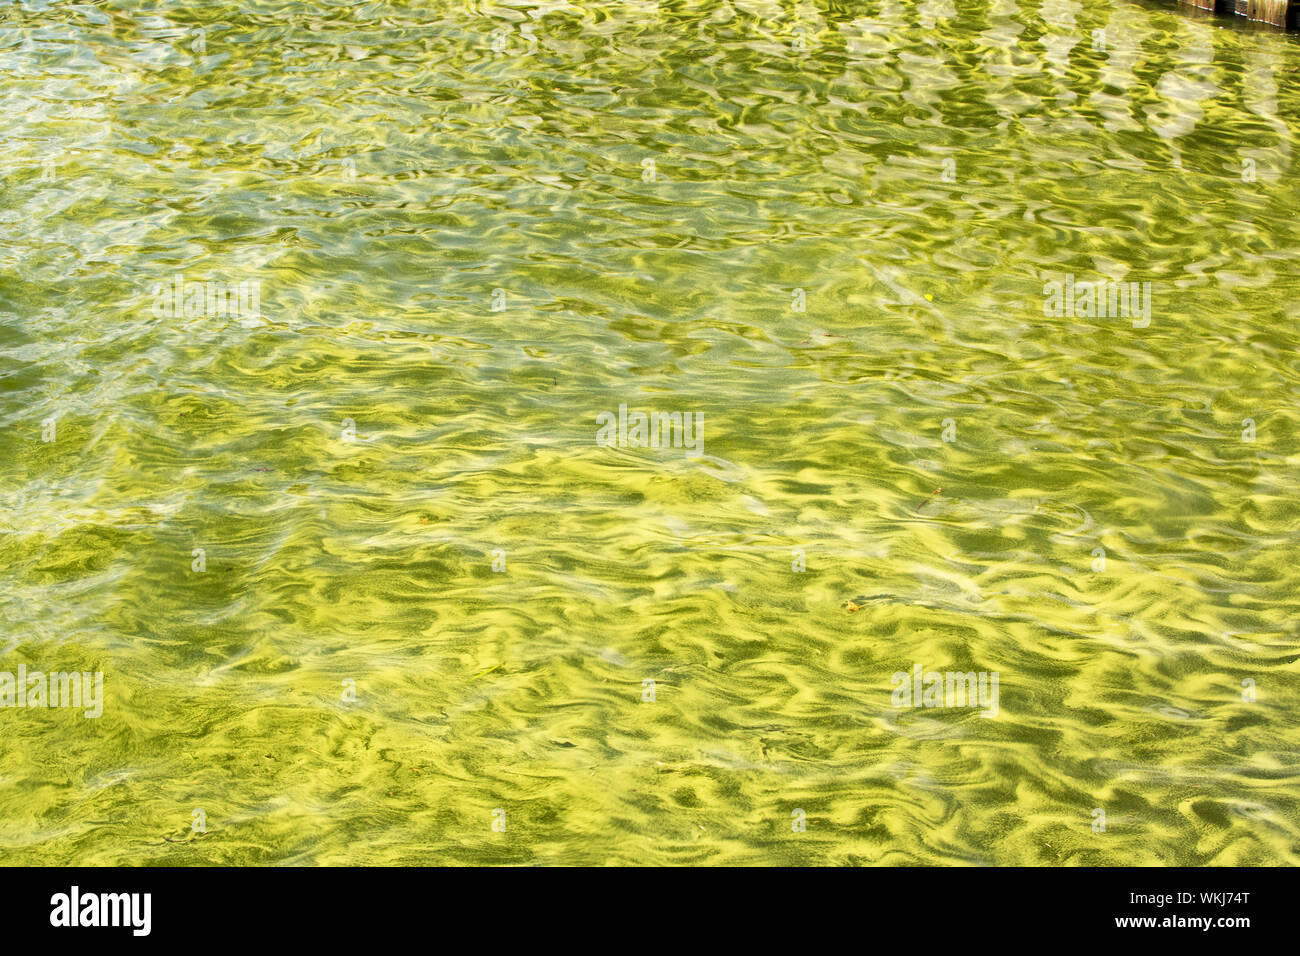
(315, 325)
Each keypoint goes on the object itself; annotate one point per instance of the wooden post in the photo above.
(1280, 13)
(1265, 11)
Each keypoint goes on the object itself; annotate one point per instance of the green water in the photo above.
(648, 184)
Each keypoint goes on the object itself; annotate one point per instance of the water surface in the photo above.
(824, 227)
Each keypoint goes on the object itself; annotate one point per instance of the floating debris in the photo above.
(927, 500)
(488, 671)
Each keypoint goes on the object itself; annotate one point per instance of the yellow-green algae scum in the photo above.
(648, 184)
